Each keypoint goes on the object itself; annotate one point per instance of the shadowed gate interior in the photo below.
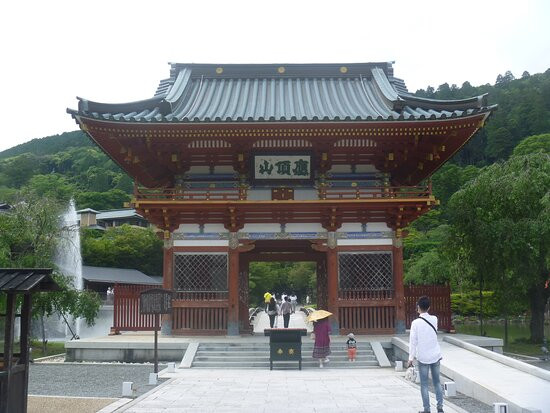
(279, 251)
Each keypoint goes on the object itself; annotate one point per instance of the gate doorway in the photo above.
(294, 251)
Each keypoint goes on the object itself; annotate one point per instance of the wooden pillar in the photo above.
(398, 285)
(332, 288)
(233, 287)
(26, 316)
(8, 352)
(167, 278)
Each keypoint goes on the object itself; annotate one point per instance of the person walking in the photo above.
(321, 346)
(293, 302)
(286, 309)
(424, 347)
(267, 299)
(272, 311)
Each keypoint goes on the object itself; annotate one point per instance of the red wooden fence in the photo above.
(126, 315)
(440, 298)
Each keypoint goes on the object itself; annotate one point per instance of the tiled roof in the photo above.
(117, 214)
(25, 280)
(117, 275)
(200, 93)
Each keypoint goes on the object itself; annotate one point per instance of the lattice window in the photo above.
(366, 271)
(200, 272)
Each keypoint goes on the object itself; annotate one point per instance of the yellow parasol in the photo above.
(318, 315)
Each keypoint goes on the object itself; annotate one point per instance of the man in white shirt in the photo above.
(423, 347)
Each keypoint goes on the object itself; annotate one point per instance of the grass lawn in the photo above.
(518, 335)
(51, 349)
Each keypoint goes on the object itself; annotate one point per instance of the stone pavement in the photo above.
(297, 320)
(313, 391)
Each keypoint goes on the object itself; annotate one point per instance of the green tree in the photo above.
(533, 144)
(112, 199)
(29, 236)
(52, 186)
(502, 218)
(124, 247)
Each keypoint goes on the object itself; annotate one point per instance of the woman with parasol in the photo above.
(321, 331)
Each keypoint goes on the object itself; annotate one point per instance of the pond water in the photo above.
(515, 330)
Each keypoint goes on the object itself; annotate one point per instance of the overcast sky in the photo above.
(118, 50)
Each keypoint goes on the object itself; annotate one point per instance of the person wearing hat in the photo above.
(321, 334)
(352, 347)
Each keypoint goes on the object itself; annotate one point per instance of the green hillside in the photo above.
(49, 145)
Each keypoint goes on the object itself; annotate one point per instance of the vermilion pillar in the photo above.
(332, 288)
(167, 278)
(399, 287)
(233, 287)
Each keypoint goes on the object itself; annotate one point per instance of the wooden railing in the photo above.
(191, 194)
(440, 298)
(367, 320)
(199, 320)
(241, 193)
(380, 192)
(126, 315)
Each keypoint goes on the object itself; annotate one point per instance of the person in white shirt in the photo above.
(293, 302)
(423, 347)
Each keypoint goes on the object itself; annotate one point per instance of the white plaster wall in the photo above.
(365, 168)
(188, 228)
(262, 228)
(301, 194)
(201, 243)
(304, 227)
(377, 226)
(259, 194)
(199, 170)
(214, 228)
(372, 241)
(350, 227)
(341, 168)
(224, 169)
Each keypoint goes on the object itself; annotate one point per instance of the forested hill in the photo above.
(523, 110)
(70, 165)
(49, 145)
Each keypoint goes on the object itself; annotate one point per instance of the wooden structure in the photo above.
(325, 163)
(14, 368)
(440, 298)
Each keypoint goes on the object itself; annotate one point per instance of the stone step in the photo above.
(222, 359)
(256, 356)
(342, 353)
(265, 364)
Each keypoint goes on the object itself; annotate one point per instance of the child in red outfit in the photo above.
(352, 347)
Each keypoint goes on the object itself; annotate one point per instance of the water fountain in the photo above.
(69, 259)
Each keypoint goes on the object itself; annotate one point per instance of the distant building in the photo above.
(90, 218)
(101, 278)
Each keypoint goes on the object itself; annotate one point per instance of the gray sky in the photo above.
(118, 50)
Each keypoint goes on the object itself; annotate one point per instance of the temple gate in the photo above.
(325, 163)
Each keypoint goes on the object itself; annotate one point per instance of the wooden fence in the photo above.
(440, 298)
(126, 315)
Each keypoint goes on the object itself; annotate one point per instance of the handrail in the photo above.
(375, 192)
(241, 193)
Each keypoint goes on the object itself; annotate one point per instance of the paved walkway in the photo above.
(495, 379)
(313, 391)
(297, 320)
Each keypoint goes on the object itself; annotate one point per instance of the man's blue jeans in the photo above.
(423, 370)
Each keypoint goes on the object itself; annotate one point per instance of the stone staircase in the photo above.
(256, 356)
